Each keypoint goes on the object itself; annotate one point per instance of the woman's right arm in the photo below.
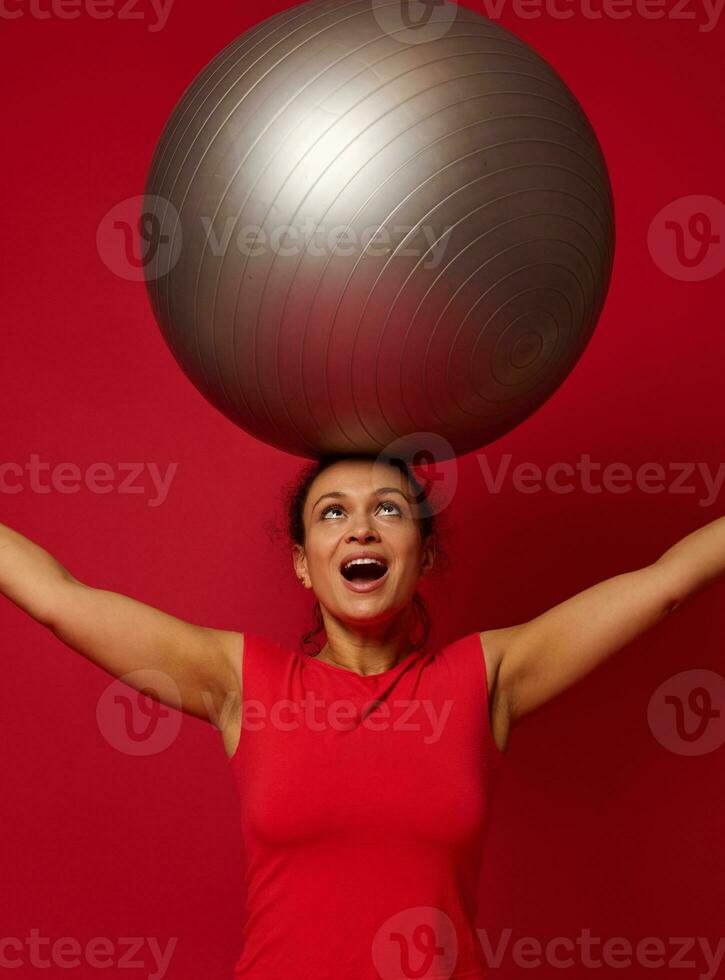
(122, 635)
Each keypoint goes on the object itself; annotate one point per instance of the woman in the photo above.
(364, 772)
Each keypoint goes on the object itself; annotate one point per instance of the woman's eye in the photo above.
(383, 503)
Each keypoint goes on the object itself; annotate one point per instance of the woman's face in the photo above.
(362, 506)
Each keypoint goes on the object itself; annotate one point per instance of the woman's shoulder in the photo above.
(257, 646)
(241, 647)
(485, 647)
(486, 650)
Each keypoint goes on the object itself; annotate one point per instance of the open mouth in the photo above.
(362, 570)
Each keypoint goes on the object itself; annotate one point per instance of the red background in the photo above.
(595, 824)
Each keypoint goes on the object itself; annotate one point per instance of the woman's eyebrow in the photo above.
(380, 490)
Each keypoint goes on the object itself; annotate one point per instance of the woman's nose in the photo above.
(363, 533)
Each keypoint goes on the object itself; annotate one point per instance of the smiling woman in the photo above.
(342, 790)
(387, 495)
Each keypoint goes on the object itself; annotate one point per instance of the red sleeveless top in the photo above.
(364, 803)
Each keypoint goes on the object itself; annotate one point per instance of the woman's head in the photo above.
(348, 505)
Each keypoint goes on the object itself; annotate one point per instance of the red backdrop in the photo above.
(599, 823)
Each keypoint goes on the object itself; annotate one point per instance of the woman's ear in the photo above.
(429, 554)
(300, 565)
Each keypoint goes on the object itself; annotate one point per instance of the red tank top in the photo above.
(364, 803)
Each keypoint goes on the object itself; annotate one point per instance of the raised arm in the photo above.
(539, 659)
(122, 635)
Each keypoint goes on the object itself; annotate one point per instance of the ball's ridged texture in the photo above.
(370, 227)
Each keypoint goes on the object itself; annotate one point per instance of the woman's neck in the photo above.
(367, 653)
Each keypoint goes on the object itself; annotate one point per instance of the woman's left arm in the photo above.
(546, 655)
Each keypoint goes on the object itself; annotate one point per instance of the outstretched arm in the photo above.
(121, 634)
(541, 658)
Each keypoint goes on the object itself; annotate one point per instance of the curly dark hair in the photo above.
(296, 497)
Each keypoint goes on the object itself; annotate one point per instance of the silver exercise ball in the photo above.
(374, 220)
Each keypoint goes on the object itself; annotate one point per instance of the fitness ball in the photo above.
(369, 221)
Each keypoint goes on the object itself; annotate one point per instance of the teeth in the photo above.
(363, 561)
